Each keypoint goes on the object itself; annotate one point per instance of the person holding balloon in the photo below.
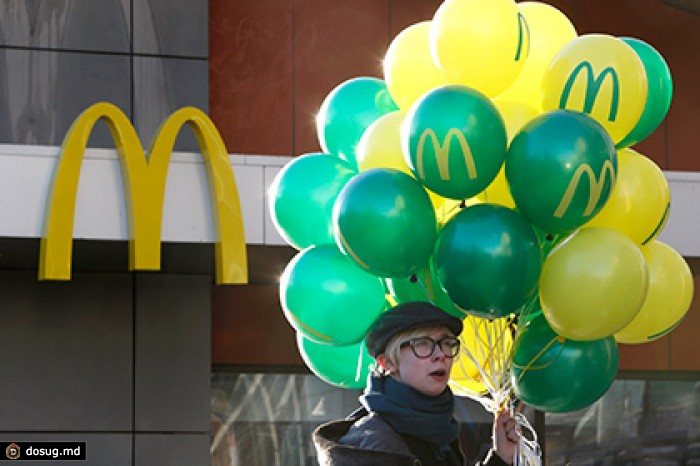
(407, 413)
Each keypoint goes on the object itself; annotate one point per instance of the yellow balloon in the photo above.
(468, 387)
(437, 200)
(465, 379)
(481, 44)
(599, 75)
(380, 147)
(409, 69)
(484, 355)
(593, 284)
(380, 144)
(640, 202)
(498, 192)
(515, 114)
(451, 207)
(550, 31)
(671, 288)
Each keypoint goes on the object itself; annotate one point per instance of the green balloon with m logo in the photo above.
(454, 140)
(561, 169)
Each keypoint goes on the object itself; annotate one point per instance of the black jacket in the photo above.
(370, 441)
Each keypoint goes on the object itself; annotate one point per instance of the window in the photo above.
(266, 419)
(637, 422)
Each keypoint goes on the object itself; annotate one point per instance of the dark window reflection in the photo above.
(654, 422)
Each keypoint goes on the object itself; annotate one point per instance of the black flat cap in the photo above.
(407, 316)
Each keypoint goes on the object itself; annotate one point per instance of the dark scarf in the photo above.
(411, 412)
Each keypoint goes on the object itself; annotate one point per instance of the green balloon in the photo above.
(660, 91)
(329, 299)
(302, 195)
(561, 168)
(455, 141)
(347, 111)
(384, 220)
(422, 286)
(556, 375)
(488, 260)
(342, 366)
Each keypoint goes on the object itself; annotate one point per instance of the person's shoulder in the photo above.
(374, 433)
(368, 440)
(329, 433)
(370, 432)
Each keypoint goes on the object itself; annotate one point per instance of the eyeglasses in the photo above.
(424, 347)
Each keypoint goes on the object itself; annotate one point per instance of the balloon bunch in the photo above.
(489, 172)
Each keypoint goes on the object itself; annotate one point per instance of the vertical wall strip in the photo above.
(390, 18)
(134, 290)
(294, 76)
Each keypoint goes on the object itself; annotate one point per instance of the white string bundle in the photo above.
(529, 452)
(489, 348)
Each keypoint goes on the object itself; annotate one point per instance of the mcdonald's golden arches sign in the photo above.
(144, 188)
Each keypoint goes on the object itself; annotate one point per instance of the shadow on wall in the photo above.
(691, 6)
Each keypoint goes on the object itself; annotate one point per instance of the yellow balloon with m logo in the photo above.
(601, 76)
(550, 30)
(480, 43)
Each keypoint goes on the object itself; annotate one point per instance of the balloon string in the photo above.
(360, 365)
(528, 451)
(490, 351)
(490, 356)
(531, 365)
(528, 307)
(423, 288)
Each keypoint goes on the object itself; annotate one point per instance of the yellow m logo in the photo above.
(144, 189)
(595, 191)
(442, 153)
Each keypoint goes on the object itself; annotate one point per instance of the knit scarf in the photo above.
(411, 412)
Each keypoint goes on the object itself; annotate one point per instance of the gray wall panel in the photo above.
(163, 85)
(84, 79)
(66, 353)
(45, 91)
(173, 352)
(171, 27)
(96, 25)
(172, 450)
